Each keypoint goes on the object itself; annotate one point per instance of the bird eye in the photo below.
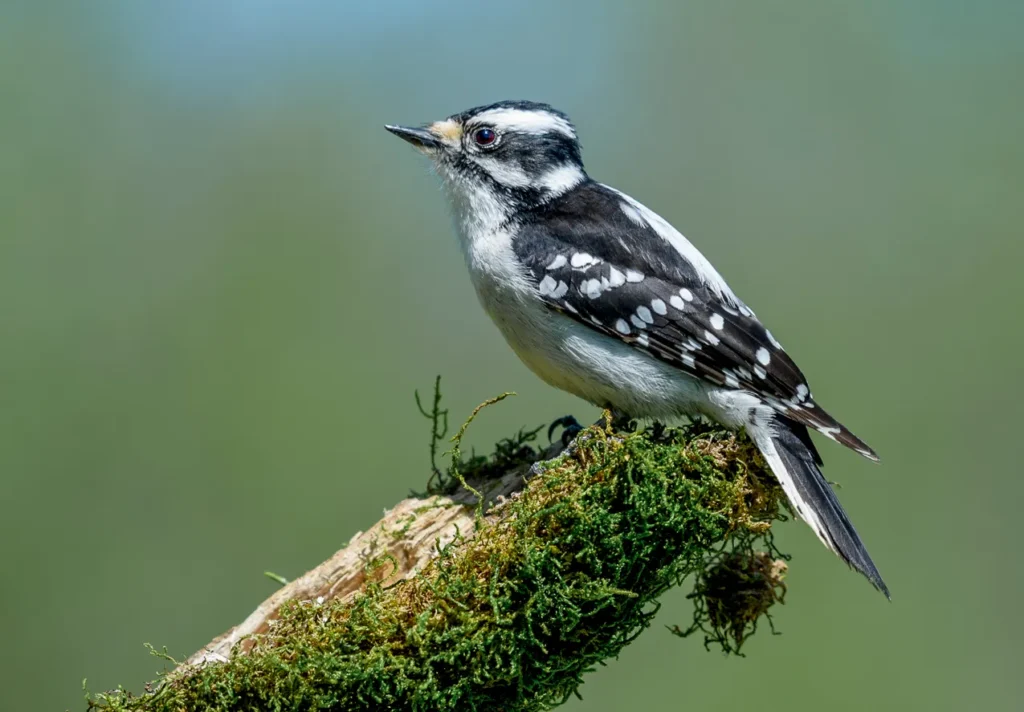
(484, 137)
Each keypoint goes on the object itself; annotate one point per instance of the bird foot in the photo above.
(570, 429)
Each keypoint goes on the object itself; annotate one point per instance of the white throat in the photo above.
(478, 210)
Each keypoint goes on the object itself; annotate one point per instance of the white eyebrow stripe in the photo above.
(535, 122)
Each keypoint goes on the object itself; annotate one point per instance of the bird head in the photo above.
(514, 153)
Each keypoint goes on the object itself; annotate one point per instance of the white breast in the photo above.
(566, 354)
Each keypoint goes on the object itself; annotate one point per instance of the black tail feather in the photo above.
(802, 461)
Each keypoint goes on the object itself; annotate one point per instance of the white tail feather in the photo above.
(762, 437)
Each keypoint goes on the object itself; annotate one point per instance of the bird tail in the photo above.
(796, 463)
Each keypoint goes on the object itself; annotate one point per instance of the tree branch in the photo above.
(447, 604)
(409, 536)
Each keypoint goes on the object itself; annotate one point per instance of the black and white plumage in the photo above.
(601, 297)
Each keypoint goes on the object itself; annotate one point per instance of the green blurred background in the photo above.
(221, 281)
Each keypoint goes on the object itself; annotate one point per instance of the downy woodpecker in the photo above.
(603, 298)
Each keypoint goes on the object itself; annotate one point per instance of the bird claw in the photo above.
(570, 428)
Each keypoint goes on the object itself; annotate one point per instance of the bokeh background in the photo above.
(221, 281)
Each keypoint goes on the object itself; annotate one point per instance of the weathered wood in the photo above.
(410, 533)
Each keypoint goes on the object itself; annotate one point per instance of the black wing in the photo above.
(604, 260)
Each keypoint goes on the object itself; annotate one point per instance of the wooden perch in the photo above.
(410, 534)
(449, 603)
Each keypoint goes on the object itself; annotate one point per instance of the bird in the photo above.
(601, 297)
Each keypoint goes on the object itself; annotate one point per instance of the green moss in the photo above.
(560, 578)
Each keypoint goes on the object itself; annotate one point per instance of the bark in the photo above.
(411, 533)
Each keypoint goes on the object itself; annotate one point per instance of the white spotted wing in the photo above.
(597, 263)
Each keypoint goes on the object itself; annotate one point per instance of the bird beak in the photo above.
(423, 139)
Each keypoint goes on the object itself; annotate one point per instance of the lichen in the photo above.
(557, 579)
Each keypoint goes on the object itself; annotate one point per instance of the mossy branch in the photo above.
(441, 608)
